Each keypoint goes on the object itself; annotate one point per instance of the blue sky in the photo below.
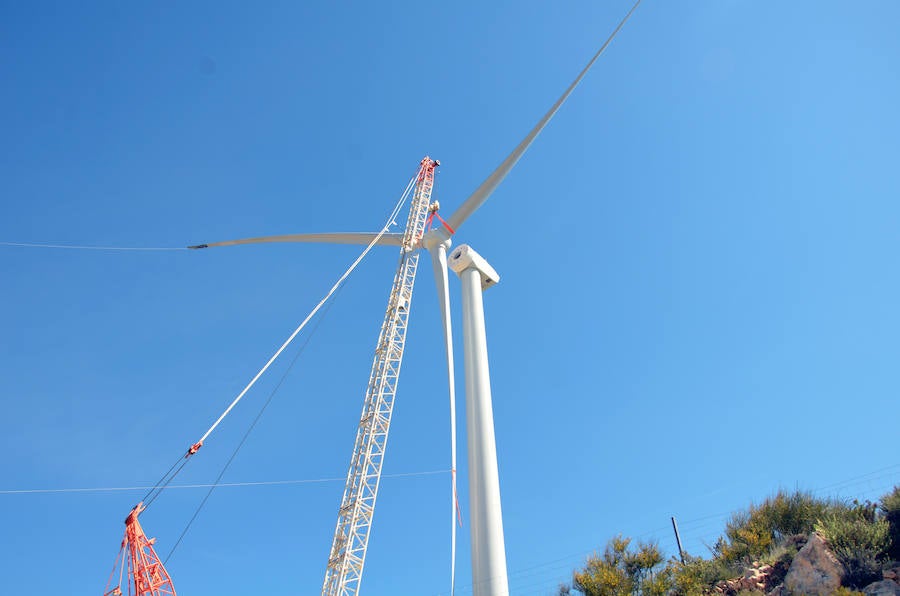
(698, 301)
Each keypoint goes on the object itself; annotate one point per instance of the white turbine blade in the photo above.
(487, 187)
(439, 261)
(390, 239)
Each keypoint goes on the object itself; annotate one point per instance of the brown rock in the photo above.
(814, 572)
(885, 587)
(755, 579)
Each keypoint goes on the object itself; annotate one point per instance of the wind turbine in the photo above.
(347, 557)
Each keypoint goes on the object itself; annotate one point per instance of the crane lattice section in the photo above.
(351, 536)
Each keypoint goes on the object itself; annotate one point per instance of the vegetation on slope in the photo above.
(758, 547)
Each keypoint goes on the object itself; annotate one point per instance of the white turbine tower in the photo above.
(347, 555)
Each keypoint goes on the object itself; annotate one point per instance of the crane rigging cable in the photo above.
(334, 288)
(182, 460)
(247, 433)
(146, 573)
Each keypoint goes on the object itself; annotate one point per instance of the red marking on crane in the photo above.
(194, 449)
(441, 219)
(446, 225)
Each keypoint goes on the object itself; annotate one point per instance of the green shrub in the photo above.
(657, 584)
(750, 535)
(697, 576)
(622, 571)
(890, 508)
(858, 540)
(861, 535)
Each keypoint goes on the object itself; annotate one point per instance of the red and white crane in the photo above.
(351, 536)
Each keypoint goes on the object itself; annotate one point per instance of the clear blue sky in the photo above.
(699, 286)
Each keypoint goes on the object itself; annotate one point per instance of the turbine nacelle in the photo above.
(464, 257)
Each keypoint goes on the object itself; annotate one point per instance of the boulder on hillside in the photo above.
(755, 579)
(885, 587)
(815, 571)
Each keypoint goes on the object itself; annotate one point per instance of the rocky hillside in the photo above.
(814, 570)
(789, 545)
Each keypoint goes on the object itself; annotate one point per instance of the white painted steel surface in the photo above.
(390, 239)
(489, 577)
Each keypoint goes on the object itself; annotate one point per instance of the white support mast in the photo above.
(351, 536)
(489, 576)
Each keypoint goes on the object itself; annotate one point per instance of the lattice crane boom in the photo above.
(351, 536)
(146, 575)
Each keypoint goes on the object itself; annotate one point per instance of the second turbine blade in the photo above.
(389, 239)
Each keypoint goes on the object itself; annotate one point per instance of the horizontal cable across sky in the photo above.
(223, 484)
